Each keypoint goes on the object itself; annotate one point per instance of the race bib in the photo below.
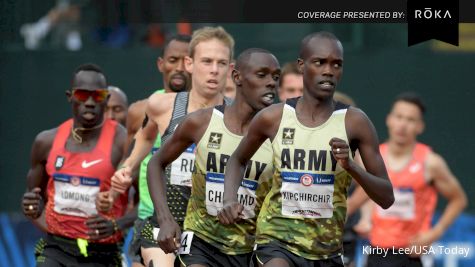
(307, 195)
(403, 207)
(182, 167)
(185, 242)
(75, 195)
(215, 194)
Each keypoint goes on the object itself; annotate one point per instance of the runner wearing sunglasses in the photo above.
(70, 164)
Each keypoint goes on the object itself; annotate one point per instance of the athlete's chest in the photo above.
(96, 163)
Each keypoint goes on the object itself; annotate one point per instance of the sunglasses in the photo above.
(98, 95)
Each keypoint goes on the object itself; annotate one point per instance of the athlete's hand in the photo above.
(32, 203)
(104, 201)
(423, 240)
(231, 213)
(341, 152)
(122, 179)
(169, 236)
(99, 227)
(362, 228)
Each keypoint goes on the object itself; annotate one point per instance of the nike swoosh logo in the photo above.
(86, 164)
(415, 167)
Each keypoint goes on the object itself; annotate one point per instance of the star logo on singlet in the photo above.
(288, 136)
(215, 140)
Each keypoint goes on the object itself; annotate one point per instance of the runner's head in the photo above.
(211, 51)
(405, 120)
(117, 104)
(321, 62)
(88, 95)
(291, 82)
(171, 64)
(256, 77)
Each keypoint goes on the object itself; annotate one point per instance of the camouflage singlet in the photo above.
(305, 210)
(212, 153)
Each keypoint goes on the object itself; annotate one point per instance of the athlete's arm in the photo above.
(374, 180)
(135, 117)
(100, 226)
(189, 131)
(135, 120)
(37, 177)
(119, 147)
(105, 199)
(356, 200)
(358, 197)
(144, 140)
(448, 186)
(263, 126)
(363, 227)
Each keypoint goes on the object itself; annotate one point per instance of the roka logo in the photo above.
(427, 19)
(428, 13)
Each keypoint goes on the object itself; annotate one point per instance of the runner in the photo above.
(216, 132)
(70, 165)
(211, 50)
(313, 138)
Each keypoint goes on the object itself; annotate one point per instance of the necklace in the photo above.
(77, 137)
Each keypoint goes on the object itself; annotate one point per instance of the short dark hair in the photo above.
(179, 38)
(413, 98)
(289, 68)
(308, 38)
(243, 58)
(89, 67)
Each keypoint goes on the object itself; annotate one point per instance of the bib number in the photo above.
(215, 194)
(182, 168)
(185, 242)
(307, 195)
(403, 207)
(75, 195)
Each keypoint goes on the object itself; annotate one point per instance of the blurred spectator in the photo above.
(291, 81)
(113, 23)
(160, 18)
(63, 19)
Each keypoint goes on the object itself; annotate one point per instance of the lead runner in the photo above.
(313, 139)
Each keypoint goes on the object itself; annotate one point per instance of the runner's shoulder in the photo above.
(200, 117)
(137, 109)
(271, 114)
(158, 104)
(44, 140)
